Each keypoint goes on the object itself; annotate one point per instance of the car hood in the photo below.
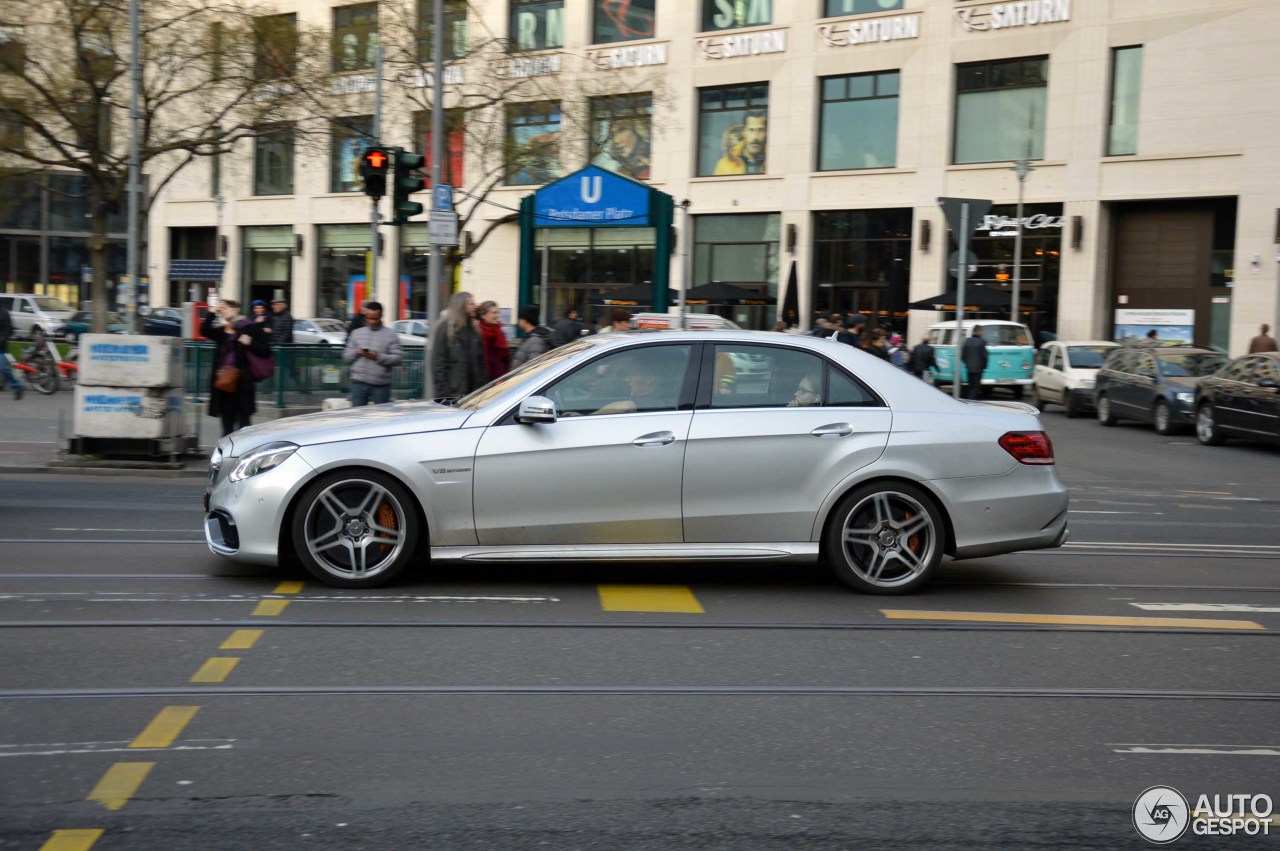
(350, 424)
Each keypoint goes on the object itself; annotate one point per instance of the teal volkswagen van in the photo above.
(1011, 358)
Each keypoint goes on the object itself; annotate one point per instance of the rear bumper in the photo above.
(1025, 509)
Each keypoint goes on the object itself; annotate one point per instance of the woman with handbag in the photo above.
(231, 394)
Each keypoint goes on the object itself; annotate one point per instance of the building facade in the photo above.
(811, 140)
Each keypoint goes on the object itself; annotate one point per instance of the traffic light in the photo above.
(374, 163)
(407, 182)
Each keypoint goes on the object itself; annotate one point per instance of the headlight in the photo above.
(262, 459)
(1185, 396)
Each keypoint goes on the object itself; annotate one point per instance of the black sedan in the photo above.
(163, 322)
(1152, 384)
(1241, 400)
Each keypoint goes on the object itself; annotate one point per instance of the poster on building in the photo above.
(1171, 327)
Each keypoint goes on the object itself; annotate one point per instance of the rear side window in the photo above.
(747, 376)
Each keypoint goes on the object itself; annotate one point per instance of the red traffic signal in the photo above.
(375, 162)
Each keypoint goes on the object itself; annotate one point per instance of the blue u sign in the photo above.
(592, 197)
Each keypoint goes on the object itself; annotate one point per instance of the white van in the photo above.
(30, 311)
(1010, 355)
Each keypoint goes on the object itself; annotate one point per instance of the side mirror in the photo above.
(536, 409)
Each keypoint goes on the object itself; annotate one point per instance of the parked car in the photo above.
(1010, 355)
(30, 311)
(81, 322)
(1152, 384)
(163, 322)
(1065, 373)
(325, 332)
(1240, 400)
(872, 470)
(413, 332)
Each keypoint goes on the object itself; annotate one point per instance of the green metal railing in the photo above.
(304, 374)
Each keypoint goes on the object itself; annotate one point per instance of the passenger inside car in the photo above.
(807, 392)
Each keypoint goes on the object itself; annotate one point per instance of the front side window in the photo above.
(747, 376)
(1000, 110)
(349, 137)
(455, 29)
(1126, 84)
(537, 24)
(859, 121)
(733, 129)
(626, 382)
(13, 49)
(834, 8)
(622, 20)
(275, 46)
(731, 14)
(355, 37)
(621, 129)
(273, 161)
(533, 143)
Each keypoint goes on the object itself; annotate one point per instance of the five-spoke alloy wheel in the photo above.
(355, 529)
(885, 538)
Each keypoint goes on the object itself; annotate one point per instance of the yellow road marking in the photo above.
(165, 727)
(71, 840)
(119, 783)
(288, 588)
(241, 639)
(1073, 620)
(270, 607)
(649, 598)
(215, 670)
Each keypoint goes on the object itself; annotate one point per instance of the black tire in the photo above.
(1036, 399)
(1072, 405)
(1207, 431)
(1162, 418)
(885, 538)
(336, 525)
(1103, 405)
(45, 379)
(1019, 392)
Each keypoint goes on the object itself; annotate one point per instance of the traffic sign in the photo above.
(442, 198)
(442, 228)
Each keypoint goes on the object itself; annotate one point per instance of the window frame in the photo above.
(991, 64)
(513, 8)
(1109, 141)
(359, 26)
(822, 113)
(636, 107)
(597, 11)
(825, 11)
(750, 88)
(455, 12)
(275, 133)
(704, 18)
(510, 145)
(13, 48)
(265, 26)
(335, 142)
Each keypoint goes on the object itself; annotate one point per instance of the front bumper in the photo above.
(244, 520)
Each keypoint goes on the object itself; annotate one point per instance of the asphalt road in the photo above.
(174, 700)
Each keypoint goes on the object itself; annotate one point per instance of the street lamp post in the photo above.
(1021, 168)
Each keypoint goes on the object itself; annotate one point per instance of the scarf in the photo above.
(497, 353)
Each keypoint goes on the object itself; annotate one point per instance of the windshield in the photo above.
(48, 302)
(1087, 357)
(526, 374)
(1191, 364)
(1006, 335)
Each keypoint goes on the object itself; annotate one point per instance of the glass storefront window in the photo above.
(349, 137)
(533, 143)
(273, 161)
(355, 37)
(344, 258)
(537, 24)
(1000, 110)
(859, 121)
(622, 20)
(584, 264)
(741, 250)
(267, 262)
(862, 264)
(731, 14)
(1126, 86)
(833, 8)
(70, 206)
(733, 129)
(621, 129)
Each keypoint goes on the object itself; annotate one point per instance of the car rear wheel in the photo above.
(1207, 431)
(1162, 418)
(355, 529)
(1104, 410)
(885, 538)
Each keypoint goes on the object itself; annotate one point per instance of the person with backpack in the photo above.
(372, 349)
(537, 340)
(921, 360)
(236, 339)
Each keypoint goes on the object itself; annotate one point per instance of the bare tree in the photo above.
(214, 72)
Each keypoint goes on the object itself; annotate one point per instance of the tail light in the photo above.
(1028, 447)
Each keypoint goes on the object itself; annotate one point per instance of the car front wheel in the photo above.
(1103, 406)
(885, 538)
(355, 529)
(1207, 431)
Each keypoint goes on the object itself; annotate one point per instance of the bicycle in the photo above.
(44, 368)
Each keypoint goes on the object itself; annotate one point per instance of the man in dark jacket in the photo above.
(567, 329)
(281, 323)
(537, 337)
(974, 357)
(6, 331)
(921, 359)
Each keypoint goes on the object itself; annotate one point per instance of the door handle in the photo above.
(657, 438)
(833, 430)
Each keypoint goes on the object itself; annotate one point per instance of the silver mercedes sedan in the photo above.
(649, 446)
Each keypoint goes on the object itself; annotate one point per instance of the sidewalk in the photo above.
(34, 433)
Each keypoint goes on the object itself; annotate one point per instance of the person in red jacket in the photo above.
(493, 341)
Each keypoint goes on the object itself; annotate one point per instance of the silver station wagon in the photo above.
(649, 446)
